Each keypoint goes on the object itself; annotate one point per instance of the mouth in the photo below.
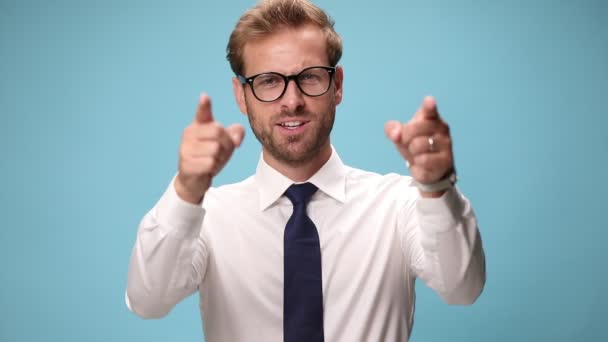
(292, 125)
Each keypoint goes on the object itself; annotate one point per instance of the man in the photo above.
(333, 257)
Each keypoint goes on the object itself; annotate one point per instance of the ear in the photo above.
(239, 94)
(338, 78)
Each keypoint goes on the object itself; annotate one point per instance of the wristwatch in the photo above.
(444, 183)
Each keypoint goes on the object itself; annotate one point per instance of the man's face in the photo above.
(311, 118)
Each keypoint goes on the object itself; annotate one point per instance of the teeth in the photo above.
(292, 124)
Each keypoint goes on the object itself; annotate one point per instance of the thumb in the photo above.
(203, 111)
(236, 133)
(392, 129)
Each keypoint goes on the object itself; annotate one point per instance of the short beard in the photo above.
(281, 151)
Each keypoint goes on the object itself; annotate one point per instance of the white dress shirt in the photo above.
(377, 236)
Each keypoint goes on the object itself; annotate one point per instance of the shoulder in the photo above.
(358, 180)
(235, 193)
(363, 177)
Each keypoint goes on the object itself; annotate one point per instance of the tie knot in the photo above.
(300, 193)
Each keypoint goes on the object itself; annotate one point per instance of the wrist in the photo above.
(438, 188)
(192, 191)
(435, 194)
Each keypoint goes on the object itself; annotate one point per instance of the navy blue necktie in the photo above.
(302, 291)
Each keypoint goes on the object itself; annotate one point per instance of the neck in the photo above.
(300, 172)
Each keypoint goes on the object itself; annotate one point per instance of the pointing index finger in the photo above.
(429, 108)
(203, 111)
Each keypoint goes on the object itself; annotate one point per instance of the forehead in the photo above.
(286, 51)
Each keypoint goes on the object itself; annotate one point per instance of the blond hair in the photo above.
(269, 16)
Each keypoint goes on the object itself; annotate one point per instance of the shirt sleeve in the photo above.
(442, 244)
(169, 256)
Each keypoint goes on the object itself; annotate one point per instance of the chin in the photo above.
(299, 154)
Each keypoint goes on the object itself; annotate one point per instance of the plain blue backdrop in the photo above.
(94, 96)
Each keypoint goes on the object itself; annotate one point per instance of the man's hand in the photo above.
(425, 144)
(205, 148)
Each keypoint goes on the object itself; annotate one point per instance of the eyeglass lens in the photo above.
(312, 82)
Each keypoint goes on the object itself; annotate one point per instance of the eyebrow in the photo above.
(289, 73)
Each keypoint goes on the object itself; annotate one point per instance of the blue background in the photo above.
(94, 96)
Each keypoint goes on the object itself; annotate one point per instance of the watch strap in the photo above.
(446, 182)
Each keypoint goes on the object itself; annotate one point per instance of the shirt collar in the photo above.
(330, 179)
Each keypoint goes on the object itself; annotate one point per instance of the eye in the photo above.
(310, 77)
(268, 81)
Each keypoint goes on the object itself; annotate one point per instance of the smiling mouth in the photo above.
(292, 124)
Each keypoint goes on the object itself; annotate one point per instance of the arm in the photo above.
(443, 246)
(439, 230)
(169, 257)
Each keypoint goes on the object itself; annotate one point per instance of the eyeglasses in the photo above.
(270, 86)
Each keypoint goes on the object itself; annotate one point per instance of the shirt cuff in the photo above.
(178, 217)
(437, 215)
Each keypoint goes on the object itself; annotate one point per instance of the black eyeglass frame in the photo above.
(249, 80)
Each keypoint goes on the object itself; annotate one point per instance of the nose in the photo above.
(293, 99)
